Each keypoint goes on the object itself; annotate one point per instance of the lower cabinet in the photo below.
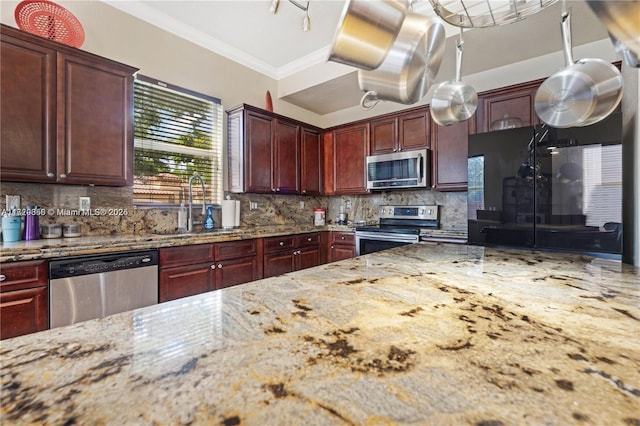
(190, 270)
(342, 245)
(291, 253)
(24, 298)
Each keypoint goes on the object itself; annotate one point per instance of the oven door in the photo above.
(370, 242)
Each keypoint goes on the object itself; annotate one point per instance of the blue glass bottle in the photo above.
(209, 223)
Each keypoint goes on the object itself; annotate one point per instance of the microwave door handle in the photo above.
(421, 165)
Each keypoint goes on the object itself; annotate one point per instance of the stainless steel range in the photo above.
(399, 225)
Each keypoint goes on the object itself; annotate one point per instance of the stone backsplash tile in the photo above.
(118, 215)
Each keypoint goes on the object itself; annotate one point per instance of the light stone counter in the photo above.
(441, 334)
(60, 247)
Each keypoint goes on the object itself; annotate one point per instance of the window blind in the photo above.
(177, 132)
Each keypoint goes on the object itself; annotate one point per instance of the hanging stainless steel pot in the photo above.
(454, 101)
(582, 93)
(411, 65)
(366, 31)
(622, 20)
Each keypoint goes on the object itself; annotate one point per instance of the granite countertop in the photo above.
(428, 333)
(60, 247)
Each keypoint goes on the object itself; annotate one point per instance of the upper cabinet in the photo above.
(265, 152)
(513, 101)
(405, 131)
(67, 115)
(449, 145)
(310, 163)
(345, 151)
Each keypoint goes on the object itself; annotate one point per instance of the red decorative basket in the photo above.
(50, 20)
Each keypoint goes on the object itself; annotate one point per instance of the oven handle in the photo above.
(379, 236)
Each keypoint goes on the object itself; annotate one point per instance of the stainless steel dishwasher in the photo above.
(87, 287)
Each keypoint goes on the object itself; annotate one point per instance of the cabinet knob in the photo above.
(3, 277)
(342, 237)
(281, 243)
(309, 239)
(394, 150)
(213, 266)
(277, 189)
(50, 174)
(304, 191)
(219, 265)
(63, 176)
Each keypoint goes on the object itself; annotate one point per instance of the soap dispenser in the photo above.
(209, 223)
(182, 213)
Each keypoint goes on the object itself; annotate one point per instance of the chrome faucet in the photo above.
(190, 218)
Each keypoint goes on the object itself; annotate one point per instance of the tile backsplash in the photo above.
(113, 211)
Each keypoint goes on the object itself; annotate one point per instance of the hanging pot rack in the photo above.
(486, 13)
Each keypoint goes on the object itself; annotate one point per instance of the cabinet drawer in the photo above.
(339, 237)
(186, 255)
(308, 240)
(23, 312)
(274, 244)
(22, 275)
(234, 249)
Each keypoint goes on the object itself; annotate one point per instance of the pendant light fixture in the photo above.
(306, 21)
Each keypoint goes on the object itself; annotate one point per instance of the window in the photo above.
(177, 133)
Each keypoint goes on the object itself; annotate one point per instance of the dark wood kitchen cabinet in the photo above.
(66, 114)
(405, 131)
(290, 253)
(265, 152)
(342, 245)
(345, 152)
(449, 145)
(24, 298)
(190, 270)
(310, 163)
(511, 101)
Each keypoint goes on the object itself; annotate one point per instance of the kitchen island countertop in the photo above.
(421, 334)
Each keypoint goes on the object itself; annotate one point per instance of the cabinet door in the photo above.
(413, 130)
(278, 263)
(286, 165)
(450, 155)
(310, 163)
(341, 252)
(95, 118)
(258, 167)
(186, 255)
(27, 111)
(183, 281)
(236, 271)
(308, 257)
(513, 101)
(350, 149)
(23, 312)
(384, 135)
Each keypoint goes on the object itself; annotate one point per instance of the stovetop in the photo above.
(404, 220)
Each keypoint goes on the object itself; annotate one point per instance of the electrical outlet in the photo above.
(348, 204)
(13, 202)
(301, 205)
(253, 205)
(84, 203)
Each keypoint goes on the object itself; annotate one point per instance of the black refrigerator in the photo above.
(548, 188)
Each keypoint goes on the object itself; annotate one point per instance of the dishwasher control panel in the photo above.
(98, 264)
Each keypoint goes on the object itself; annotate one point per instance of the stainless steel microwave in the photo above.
(406, 169)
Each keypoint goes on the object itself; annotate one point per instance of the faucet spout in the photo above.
(190, 218)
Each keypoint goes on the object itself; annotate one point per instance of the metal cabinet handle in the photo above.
(304, 191)
(50, 174)
(3, 277)
(277, 189)
(63, 176)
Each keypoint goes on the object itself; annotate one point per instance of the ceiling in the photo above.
(275, 45)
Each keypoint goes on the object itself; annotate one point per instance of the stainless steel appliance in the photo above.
(86, 287)
(548, 188)
(406, 169)
(399, 225)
